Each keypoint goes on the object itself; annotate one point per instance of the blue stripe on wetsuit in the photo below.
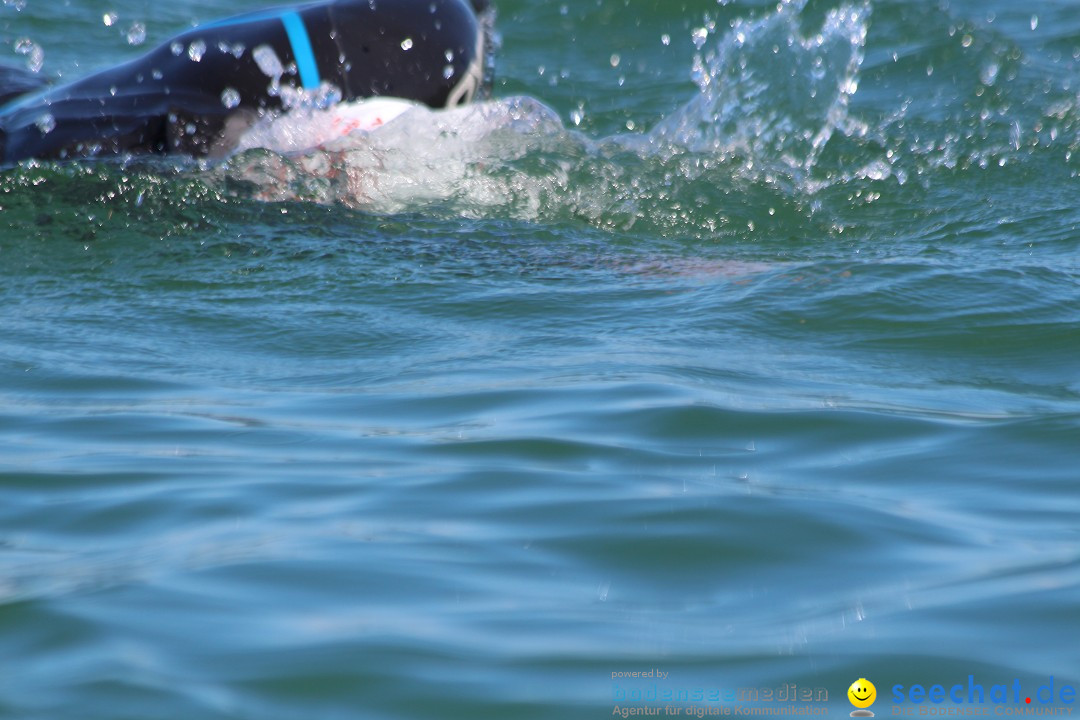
(301, 47)
(298, 39)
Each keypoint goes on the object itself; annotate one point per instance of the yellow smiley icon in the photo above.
(862, 694)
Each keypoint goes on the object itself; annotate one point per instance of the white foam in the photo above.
(770, 98)
(391, 155)
(307, 129)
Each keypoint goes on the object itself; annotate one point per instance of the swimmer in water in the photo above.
(199, 92)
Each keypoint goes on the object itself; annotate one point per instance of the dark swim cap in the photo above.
(427, 50)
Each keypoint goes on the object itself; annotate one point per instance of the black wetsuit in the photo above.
(196, 93)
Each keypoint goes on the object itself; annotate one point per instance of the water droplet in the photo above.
(576, 116)
(268, 61)
(156, 74)
(35, 55)
(190, 128)
(700, 73)
(449, 56)
(603, 590)
(406, 44)
(230, 98)
(196, 50)
(665, 39)
(1034, 22)
(615, 60)
(235, 50)
(36, 60)
(45, 123)
(136, 34)
(448, 72)
(699, 36)
(177, 48)
(109, 19)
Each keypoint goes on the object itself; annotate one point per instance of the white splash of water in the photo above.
(306, 129)
(769, 94)
(418, 157)
(770, 99)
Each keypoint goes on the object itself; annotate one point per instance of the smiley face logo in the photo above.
(862, 694)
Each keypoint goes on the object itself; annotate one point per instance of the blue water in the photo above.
(732, 341)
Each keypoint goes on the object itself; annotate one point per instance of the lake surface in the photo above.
(735, 341)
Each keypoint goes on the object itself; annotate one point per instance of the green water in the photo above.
(738, 343)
